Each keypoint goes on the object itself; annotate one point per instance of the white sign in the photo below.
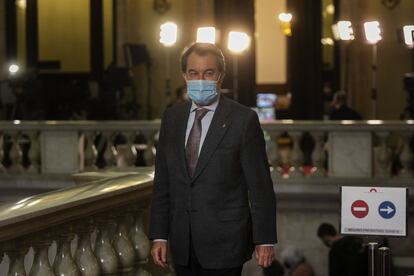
(374, 211)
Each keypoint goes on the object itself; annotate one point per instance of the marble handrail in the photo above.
(34, 147)
(40, 212)
(288, 125)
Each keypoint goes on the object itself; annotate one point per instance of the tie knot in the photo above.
(200, 113)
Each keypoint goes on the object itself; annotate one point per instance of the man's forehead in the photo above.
(205, 61)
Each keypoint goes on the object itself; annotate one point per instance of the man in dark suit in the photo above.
(213, 196)
(340, 110)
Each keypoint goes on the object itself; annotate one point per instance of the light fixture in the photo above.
(285, 23)
(168, 33)
(238, 42)
(330, 9)
(285, 17)
(373, 35)
(372, 32)
(327, 41)
(206, 35)
(345, 30)
(13, 69)
(22, 4)
(409, 35)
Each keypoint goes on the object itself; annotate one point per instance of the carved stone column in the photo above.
(318, 155)
(85, 258)
(34, 152)
(16, 262)
(89, 151)
(41, 264)
(104, 251)
(382, 155)
(64, 265)
(296, 155)
(123, 247)
(406, 156)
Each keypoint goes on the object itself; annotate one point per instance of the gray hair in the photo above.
(203, 49)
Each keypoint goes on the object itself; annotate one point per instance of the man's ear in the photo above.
(222, 75)
(221, 78)
(184, 76)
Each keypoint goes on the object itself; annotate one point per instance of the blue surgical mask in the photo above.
(202, 92)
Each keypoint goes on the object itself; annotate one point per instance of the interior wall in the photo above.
(142, 26)
(271, 53)
(108, 32)
(21, 33)
(3, 63)
(69, 31)
(393, 58)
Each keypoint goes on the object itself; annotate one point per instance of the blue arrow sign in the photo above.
(387, 209)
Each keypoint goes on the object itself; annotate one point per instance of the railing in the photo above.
(310, 154)
(296, 149)
(96, 228)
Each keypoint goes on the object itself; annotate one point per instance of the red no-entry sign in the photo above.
(359, 209)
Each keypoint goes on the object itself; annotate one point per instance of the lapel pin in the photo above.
(224, 125)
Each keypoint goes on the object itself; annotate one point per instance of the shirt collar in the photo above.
(211, 107)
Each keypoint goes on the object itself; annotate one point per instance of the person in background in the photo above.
(347, 255)
(296, 263)
(181, 96)
(340, 110)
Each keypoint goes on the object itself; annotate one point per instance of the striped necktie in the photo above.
(193, 141)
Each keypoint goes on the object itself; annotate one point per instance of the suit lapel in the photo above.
(216, 131)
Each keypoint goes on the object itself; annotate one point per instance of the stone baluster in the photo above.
(84, 256)
(382, 156)
(129, 150)
(109, 154)
(24, 148)
(123, 246)
(150, 152)
(104, 251)
(406, 155)
(64, 264)
(34, 152)
(140, 242)
(273, 153)
(154, 142)
(41, 265)
(90, 152)
(16, 260)
(121, 150)
(318, 154)
(15, 154)
(296, 156)
(141, 148)
(139, 239)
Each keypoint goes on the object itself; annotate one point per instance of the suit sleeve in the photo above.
(160, 206)
(257, 175)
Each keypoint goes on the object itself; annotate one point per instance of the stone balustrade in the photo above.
(93, 228)
(296, 149)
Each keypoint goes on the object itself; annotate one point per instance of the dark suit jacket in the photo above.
(229, 204)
